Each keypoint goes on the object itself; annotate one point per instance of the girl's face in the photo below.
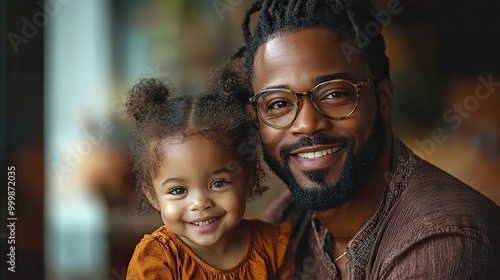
(201, 191)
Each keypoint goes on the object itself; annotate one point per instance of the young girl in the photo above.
(196, 161)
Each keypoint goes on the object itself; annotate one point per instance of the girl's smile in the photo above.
(205, 224)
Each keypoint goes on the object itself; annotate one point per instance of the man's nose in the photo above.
(309, 120)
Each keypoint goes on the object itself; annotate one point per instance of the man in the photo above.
(364, 206)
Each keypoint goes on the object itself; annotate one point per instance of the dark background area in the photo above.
(22, 127)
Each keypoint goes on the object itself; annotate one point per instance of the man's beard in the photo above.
(323, 195)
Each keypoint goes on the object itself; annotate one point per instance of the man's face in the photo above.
(322, 161)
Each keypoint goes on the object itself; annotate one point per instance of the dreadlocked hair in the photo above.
(162, 117)
(279, 17)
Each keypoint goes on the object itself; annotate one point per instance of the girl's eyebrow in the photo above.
(224, 170)
(215, 172)
(173, 179)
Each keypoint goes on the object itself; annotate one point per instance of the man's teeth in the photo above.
(318, 154)
(204, 223)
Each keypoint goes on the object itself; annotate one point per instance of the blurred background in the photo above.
(65, 67)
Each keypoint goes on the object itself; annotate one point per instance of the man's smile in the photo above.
(315, 153)
(315, 157)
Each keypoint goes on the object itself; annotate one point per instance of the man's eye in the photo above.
(334, 95)
(218, 184)
(177, 191)
(278, 104)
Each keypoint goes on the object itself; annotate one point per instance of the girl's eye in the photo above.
(177, 191)
(218, 184)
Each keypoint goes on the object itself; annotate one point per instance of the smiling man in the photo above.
(362, 204)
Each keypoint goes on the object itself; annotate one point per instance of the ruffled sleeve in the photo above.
(150, 261)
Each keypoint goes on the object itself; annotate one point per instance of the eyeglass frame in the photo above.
(358, 85)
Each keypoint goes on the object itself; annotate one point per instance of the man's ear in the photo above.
(385, 93)
(150, 194)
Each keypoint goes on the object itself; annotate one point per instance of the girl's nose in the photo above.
(200, 201)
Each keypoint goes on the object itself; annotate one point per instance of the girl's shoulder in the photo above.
(149, 258)
(162, 235)
(269, 236)
(271, 241)
(262, 227)
(161, 239)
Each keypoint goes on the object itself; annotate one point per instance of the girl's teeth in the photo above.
(318, 154)
(203, 223)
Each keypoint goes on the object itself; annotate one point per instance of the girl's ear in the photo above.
(149, 192)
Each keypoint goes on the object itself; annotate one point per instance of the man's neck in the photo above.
(346, 220)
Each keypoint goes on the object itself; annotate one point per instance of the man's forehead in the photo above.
(334, 35)
(316, 51)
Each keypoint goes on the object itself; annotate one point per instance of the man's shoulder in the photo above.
(436, 215)
(441, 198)
(434, 203)
(434, 198)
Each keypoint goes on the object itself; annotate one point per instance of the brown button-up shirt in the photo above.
(427, 225)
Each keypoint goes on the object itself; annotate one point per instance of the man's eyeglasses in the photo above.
(335, 99)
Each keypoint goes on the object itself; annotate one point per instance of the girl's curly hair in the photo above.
(159, 113)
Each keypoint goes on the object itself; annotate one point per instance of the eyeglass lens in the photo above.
(334, 99)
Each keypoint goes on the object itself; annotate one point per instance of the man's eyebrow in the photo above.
(275, 87)
(328, 77)
(318, 79)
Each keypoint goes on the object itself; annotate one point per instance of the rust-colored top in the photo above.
(162, 255)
